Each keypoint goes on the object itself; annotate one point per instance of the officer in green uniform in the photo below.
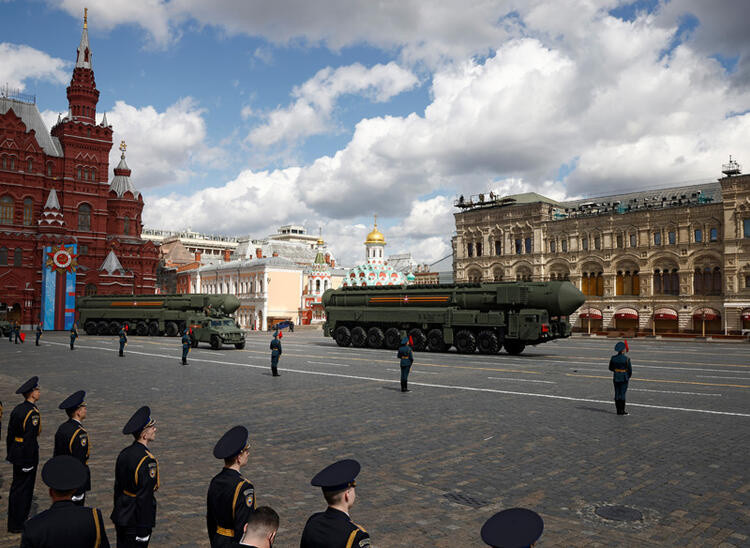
(275, 353)
(24, 427)
(186, 342)
(123, 338)
(334, 528)
(622, 370)
(72, 439)
(64, 523)
(38, 332)
(73, 335)
(136, 481)
(407, 358)
(513, 528)
(231, 498)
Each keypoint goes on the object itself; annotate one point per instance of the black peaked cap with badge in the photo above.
(73, 401)
(28, 386)
(338, 476)
(513, 528)
(64, 473)
(234, 441)
(140, 420)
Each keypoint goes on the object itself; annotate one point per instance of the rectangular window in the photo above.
(528, 245)
(518, 246)
(479, 249)
(83, 249)
(714, 234)
(698, 235)
(672, 237)
(597, 242)
(470, 250)
(657, 238)
(28, 212)
(552, 246)
(633, 240)
(564, 245)
(585, 244)
(746, 227)
(747, 282)
(498, 247)
(619, 241)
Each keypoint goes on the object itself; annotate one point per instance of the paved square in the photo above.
(476, 434)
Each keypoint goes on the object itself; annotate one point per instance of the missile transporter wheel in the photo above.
(90, 327)
(435, 342)
(375, 337)
(465, 342)
(343, 336)
(392, 338)
(114, 327)
(153, 329)
(418, 339)
(239, 346)
(359, 337)
(487, 342)
(171, 329)
(102, 328)
(141, 329)
(514, 347)
(215, 342)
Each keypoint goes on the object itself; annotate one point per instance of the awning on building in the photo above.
(626, 314)
(746, 315)
(590, 314)
(707, 314)
(665, 314)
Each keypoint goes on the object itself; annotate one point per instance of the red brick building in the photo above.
(65, 229)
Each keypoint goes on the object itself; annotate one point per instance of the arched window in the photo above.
(126, 226)
(28, 211)
(18, 257)
(6, 210)
(78, 172)
(29, 166)
(716, 281)
(90, 289)
(317, 286)
(84, 217)
(3, 256)
(498, 274)
(475, 275)
(49, 169)
(12, 163)
(5, 162)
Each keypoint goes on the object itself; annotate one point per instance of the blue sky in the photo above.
(242, 115)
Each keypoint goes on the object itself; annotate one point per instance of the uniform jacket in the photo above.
(405, 355)
(621, 368)
(275, 347)
(74, 332)
(136, 479)
(230, 501)
(65, 524)
(24, 426)
(333, 529)
(123, 336)
(186, 341)
(72, 439)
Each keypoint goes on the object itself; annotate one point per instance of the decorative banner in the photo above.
(59, 286)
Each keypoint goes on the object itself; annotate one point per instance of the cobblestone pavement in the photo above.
(476, 434)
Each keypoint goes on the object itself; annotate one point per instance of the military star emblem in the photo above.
(62, 259)
(406, 299)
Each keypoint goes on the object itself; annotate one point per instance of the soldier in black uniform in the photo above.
(186, 342)
(622, 370)
(407, 358)
(72, 439)
(260, 530)
(64, 523)
(24, 427)
(333, 528)
(513, 528)
(231, 498)
(18, 332)
(39, 330)
(123, 338)
(275, 354)
(136, 480)
(73, 335)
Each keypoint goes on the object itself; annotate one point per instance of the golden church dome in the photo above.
(375, 237)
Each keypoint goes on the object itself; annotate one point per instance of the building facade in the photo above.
(662, 260)
(375, 270)
(65, 230)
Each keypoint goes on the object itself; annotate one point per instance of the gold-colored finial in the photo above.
(85, 18)
(376, 220)
(123, 147)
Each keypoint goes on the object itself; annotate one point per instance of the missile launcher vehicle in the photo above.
(473, 316)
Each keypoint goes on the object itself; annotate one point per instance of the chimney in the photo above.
(258, 253)
(227, 254)
(197, 256)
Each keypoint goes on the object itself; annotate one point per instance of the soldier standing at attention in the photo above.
(73, 335)
(231, 498)
(513, 528)
(186, 342)
(275, 353)
(622, 370)
(71, 439)
(407, 358)
(123, 338)
(24, 428)
(64, 523)
(136, 480)
(18, 332)
(38, 332)
(334, 528)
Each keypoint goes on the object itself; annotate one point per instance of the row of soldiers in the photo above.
(232, 515)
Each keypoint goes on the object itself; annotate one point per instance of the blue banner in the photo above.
(49, 278)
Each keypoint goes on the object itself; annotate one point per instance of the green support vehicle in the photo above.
(206, 316)
(471, 317)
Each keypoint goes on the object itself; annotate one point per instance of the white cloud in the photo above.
(311, 113)
(20, 63)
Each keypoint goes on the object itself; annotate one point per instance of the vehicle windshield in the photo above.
(222, 323)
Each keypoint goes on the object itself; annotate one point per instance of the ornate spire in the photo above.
(121, 182)
(112, 264)
(104, 121)
(83, 59)
(52, 216)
